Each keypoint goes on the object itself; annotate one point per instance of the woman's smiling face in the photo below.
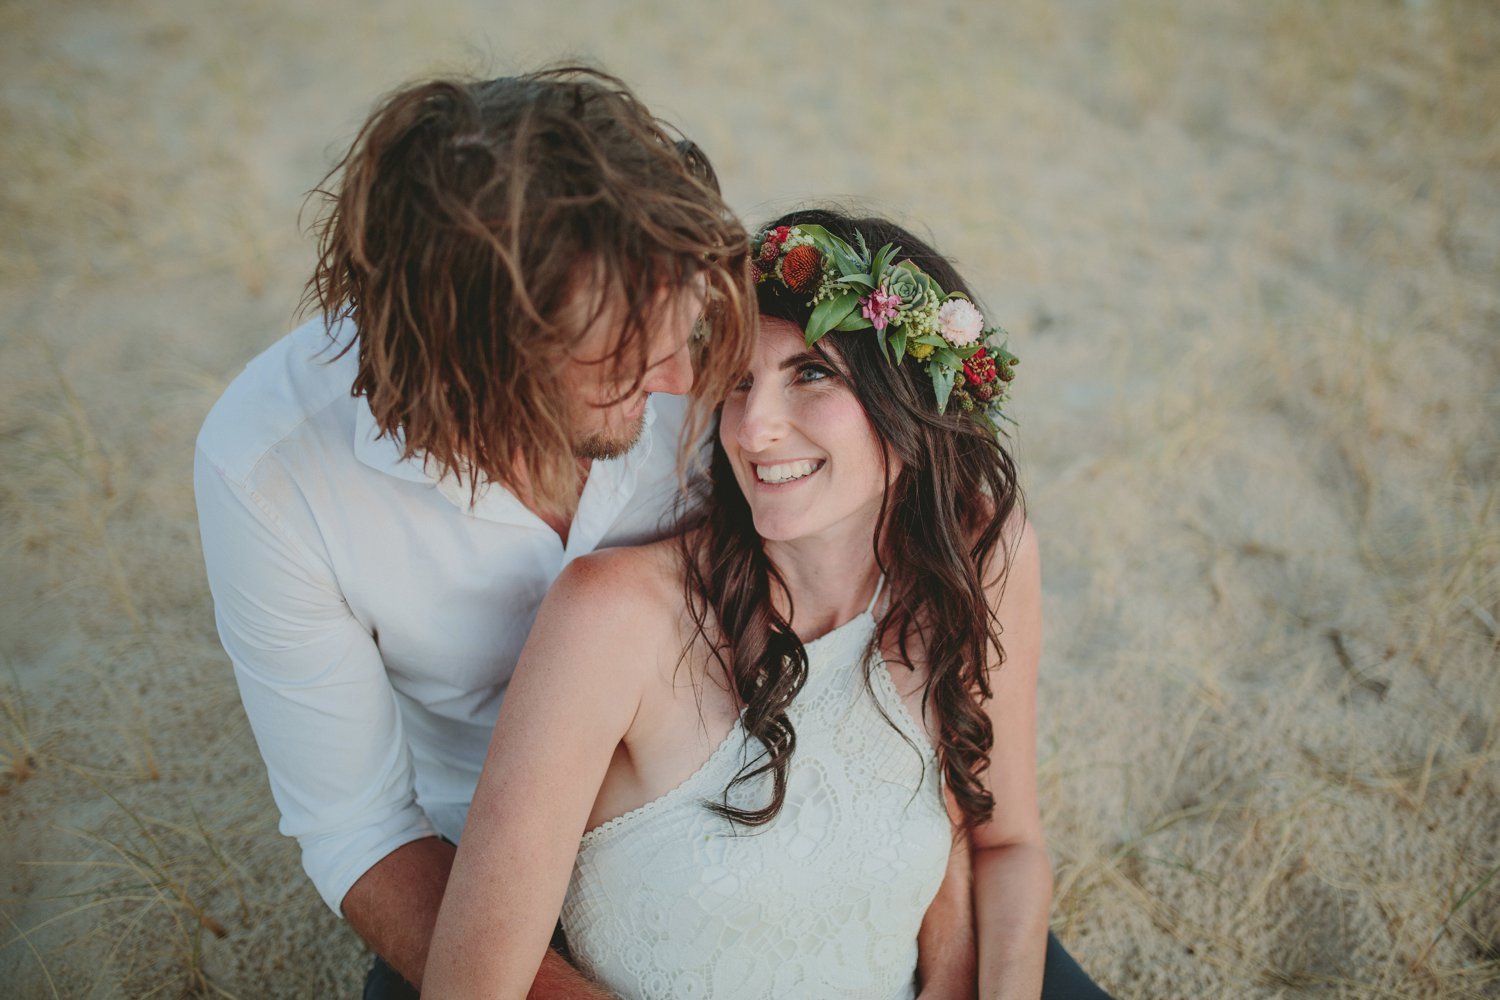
(801, 446)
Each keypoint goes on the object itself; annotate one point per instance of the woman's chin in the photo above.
(779, 528)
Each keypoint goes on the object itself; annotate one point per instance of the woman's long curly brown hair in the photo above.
(940, 529)
(466, 222)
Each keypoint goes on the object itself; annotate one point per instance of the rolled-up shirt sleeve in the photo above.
(314, 687)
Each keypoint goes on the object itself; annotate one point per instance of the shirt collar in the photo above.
(383, 454)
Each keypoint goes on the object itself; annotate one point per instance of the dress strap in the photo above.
(879, 586)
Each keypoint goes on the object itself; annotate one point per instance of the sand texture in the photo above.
(1249, 254)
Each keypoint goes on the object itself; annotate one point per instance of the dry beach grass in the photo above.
(1250, 254)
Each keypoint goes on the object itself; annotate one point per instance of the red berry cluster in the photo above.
(980, 368)
(765, 263)
(984, 377)
(771, 248)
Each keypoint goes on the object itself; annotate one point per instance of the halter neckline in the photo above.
(867, 613)
(879, 586)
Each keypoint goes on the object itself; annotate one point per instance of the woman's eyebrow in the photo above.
(801, 359)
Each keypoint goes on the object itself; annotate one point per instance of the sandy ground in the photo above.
(1249, 253)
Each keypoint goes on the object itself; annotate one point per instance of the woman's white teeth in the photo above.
(786, 472)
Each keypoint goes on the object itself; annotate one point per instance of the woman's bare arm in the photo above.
(577, 687)
(945, 942)
(1012, 873)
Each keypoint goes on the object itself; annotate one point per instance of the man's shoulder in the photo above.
(292, 382)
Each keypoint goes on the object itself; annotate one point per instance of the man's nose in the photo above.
(673, 373)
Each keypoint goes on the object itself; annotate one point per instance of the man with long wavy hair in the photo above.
(508, 270)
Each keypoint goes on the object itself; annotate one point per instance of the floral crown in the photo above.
(853, 290)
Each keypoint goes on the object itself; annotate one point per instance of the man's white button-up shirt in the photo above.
(372, 614)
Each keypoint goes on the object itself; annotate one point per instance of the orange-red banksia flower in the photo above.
(801, 268)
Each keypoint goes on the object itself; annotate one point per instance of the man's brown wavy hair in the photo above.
(464, 227)
(940, 529)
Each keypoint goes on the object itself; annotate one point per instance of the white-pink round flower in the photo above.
(960, 322)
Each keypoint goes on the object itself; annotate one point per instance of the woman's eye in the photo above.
(743, 385)
(813, 373)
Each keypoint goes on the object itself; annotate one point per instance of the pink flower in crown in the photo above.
(960, 322)
(880, 307)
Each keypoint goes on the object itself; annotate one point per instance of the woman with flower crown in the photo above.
(739, 764)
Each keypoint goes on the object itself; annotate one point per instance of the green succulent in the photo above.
(911, 285)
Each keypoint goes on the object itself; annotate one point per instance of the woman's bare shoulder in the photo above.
(635, 589)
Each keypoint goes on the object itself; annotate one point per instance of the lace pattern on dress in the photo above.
(672, 900)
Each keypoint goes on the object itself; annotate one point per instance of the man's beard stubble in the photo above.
(601, 447)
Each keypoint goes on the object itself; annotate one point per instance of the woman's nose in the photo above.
(763, 421)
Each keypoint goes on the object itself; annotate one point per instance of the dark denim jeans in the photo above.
(385, 983)
(1062, 979)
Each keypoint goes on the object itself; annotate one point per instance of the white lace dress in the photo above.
(671, 901)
